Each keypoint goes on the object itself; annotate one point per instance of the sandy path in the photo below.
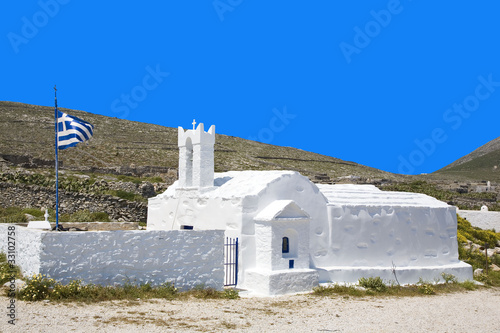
(477, 311)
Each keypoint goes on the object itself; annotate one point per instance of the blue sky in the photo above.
(403, 86)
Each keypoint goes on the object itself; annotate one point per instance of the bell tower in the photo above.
(196, 157)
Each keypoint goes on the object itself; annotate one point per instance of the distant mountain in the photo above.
(482, 164)
(126, 147)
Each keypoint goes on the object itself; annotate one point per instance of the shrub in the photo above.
(231, 293)
(167, 290)
(38, 287)
(449, 278)
(491, 279)
(469, 285)
(466, 231)
(373, 283)
(100, 217)
(461, 238)
(12, 210)
(33, 211)
(337, 289)
(125, 195)
(12, 215)
(155, 179)
(425, 287)
(73, 290)
(7, 271)
(14, 218)
(200, 291)
(81, 216)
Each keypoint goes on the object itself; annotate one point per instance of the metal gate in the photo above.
(231, 262)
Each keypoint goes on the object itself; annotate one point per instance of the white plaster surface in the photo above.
(353, 227)
(352, 230)
(28, 245)
(232, 204)
(196, 157)
(403, 275)
(186, 258)
(281, 282)
(39, 225)
(482, 219)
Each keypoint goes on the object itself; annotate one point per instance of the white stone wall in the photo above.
(481, 219)
(185, 257)
(382, 236)
(168, 212)
(27, 245)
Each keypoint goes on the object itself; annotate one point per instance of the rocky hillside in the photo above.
(127, 162)
(127, 147)
(482, 164)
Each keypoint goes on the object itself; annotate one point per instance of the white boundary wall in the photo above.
(185, 257)
(481, 219)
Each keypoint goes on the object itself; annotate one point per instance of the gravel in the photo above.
(474, 311)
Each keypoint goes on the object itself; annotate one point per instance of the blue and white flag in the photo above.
(71, 130)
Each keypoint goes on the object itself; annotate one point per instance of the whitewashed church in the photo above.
(294, 234)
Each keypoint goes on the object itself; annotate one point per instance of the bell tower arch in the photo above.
(196, 157)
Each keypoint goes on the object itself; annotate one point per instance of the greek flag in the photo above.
(71, 130)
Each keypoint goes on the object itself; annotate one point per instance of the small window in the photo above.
(285, 246)
(186, 227)
(291, 264)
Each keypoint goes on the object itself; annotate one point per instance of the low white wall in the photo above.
(185, 257)
(483, 220)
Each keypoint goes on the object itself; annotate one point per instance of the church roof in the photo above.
(238, 184)
(243, 183)
(282, 210)
(370, 195)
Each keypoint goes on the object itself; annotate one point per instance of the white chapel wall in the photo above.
(186, 258)
(381, 236)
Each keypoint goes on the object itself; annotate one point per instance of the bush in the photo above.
(231, 293)
(167, 290)
(100, 217)
(491, 279)
(84, 216)
(7, 271)
(373, 283)
(125, 195)
(337, 289)
(33, 211)
(15, 218)
(73, 290)
(466, 231)
(81, 216)
(38, 287)
(469, 285)
(200, 291)
(449, 278)
(425, 287)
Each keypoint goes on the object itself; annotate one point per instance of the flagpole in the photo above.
(57, 158)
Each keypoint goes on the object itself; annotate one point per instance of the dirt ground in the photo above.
(474, 311)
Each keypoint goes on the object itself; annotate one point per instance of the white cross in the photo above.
(194, 124)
